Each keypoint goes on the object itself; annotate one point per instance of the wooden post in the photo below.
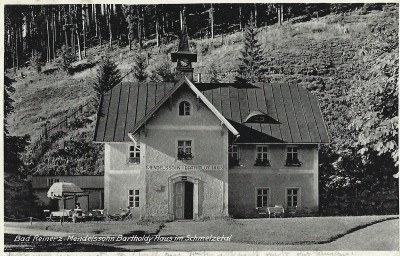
(45, 131)
(30, 219)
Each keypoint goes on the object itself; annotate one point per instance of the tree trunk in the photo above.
(180, 18)
(163, 20)
(240, 18)
(139, 30)
(212, 21)
(157, 26)
(95, 19)
(279, 14)
(255, 15)
(54, 36)
(65, 30)
(109, 24)
(15, 55)
(48, 39)
(84, 28)
(78, 42)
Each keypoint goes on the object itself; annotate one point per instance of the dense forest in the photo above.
(345, 54)
(42, 30)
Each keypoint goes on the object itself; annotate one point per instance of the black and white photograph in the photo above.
(181, 127)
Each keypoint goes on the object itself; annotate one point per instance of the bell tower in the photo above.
(184, 57)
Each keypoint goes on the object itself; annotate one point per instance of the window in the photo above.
(51, 181)
(233, 154)
(134, 154)
(292, 156)
(262, 156)
(262, 197)
(184, 108)
(185, 150)
(133, 199)
(292, 197)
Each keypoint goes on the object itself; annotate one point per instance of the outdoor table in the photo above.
(61, 214)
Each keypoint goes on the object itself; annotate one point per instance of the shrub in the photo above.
(163, 70)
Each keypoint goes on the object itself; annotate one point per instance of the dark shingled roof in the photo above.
(127, 105)
(296, 110)
(124, 106)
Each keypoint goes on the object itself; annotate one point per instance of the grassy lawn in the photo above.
(101, 228)
(274, 231)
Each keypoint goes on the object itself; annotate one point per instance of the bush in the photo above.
(163, 70)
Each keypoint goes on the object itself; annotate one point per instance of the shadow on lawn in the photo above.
(334, 238)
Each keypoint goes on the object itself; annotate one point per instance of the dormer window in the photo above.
(184, 108)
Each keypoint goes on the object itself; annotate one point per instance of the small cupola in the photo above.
(184, 57)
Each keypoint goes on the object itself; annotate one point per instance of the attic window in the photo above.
(184, 108)
(258, 116)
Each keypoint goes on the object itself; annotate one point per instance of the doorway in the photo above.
(183, 200)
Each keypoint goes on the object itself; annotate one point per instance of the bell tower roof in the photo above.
(183, 48)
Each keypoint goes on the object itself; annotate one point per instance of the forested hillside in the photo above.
(347, 57)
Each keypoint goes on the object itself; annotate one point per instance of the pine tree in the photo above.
(252, 60)
(36, 61)
(66, 59)
(108, 76)
(18, 199)
(139, 69)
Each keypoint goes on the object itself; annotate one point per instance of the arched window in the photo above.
(184, 108)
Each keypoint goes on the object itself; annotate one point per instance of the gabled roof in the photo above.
(170, 93)
(124, 105)
(296, 110)
(128, 106)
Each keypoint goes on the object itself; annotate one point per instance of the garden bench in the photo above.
(276, 211)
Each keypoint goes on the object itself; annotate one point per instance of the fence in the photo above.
(48, 130)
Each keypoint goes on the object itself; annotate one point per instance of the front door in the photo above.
(183, 200)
